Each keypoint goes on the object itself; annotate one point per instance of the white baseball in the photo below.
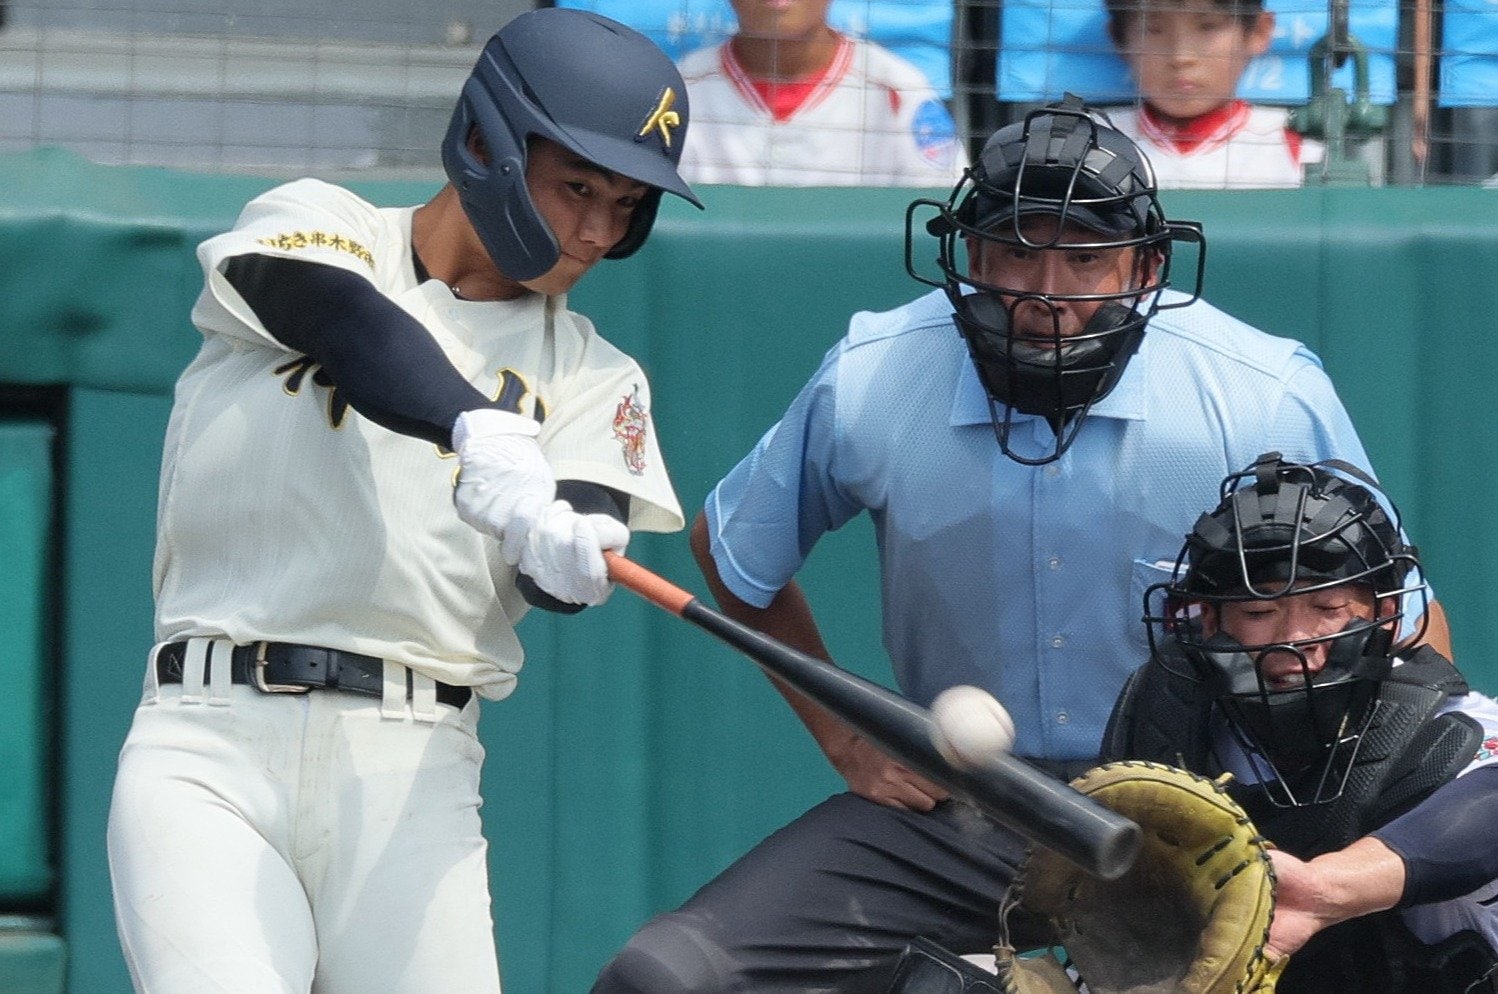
(969, 727)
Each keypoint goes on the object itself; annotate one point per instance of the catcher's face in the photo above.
(1308, 622)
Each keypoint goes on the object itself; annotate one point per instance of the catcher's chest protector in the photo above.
(1406, 752)
(1404, 755)
(1162, 717)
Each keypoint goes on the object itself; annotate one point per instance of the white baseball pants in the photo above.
(322, 843)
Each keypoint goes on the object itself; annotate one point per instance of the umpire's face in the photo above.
(1048, 289)
(587, 207)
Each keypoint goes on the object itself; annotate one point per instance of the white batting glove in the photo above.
(504, 482)
(564, 553)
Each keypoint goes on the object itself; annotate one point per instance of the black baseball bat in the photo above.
(1013, 793)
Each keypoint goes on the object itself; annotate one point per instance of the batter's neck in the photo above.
(449, 250)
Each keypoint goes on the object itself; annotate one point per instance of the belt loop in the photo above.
(220, 671)
(193, 661)
(423, 696)
(393, 700)
(150, 691)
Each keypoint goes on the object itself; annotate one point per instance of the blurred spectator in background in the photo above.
(790, 101)
(1187, 57)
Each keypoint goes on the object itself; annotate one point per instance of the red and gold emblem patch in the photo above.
(631, 422)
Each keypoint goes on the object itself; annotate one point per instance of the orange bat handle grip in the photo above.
(655, 589)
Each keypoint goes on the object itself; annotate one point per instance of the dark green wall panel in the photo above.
(26, 489)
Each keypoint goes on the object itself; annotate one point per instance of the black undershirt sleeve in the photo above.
(1447, 841)
(586, 498)
(388, 367)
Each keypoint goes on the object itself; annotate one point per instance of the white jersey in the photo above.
(873, 119)
(286, 516)
(1239, 146)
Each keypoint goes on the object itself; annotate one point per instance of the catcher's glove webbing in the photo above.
(1191, 916)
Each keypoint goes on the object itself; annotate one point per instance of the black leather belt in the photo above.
(285, 668)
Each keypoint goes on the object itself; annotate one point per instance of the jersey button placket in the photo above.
(1051, 596)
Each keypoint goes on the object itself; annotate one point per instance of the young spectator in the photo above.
(789, 101)
(1187, 57)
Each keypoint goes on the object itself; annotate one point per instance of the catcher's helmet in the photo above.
(1286, 530)
(592, 85)
(1066, 162)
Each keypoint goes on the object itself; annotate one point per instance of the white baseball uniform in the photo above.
(1238, 145)
(871, 119)
(259, 839)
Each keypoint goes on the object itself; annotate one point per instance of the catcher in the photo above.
(1366, 761)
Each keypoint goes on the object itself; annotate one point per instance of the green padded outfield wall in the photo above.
(26, 493)
(637, 756)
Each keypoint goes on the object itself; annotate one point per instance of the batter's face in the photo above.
(781, 19)
(1295, 618)
(587, 207)
(1053, 272)
(1188, 57)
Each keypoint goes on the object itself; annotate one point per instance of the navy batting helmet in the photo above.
(592, 85)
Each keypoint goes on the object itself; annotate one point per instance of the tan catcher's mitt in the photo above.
(1191, 916)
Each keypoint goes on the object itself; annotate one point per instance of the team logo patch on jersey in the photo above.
(631, 422)
(935, 134)
(662, 119)
(1487, 750)
(292, 241)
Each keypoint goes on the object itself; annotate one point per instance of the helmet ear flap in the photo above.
(494, 194)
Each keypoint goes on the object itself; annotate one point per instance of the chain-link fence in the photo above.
(1383, 91)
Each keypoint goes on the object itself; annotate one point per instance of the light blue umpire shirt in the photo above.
(1028, 581)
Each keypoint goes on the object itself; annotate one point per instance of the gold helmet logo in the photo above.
(662, 119)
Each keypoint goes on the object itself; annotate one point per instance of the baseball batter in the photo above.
(395, 438)
(789, 101)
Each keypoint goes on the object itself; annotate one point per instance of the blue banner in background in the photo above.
(919, 31)
(1051, 46)
(1469, 62)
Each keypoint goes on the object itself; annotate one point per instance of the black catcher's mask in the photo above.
(1066, 164)
(1285, 530)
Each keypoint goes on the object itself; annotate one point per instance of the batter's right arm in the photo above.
(788, 618)
(395, 374)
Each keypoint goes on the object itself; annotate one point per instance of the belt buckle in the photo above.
(257, 675)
